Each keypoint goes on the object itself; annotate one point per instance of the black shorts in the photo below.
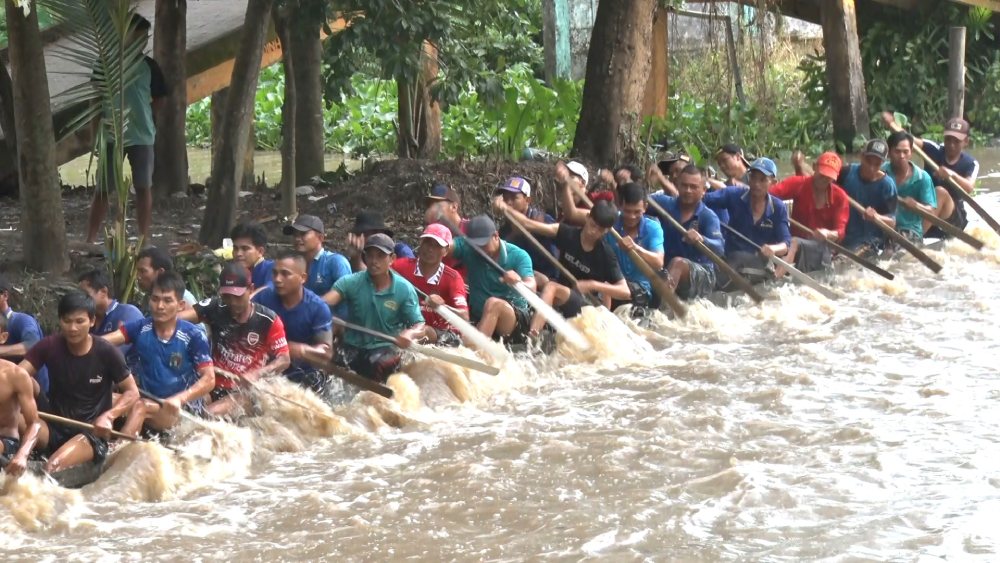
(522, 326)
(447, 338)
(376, 364)
(221, 393)
(573, 305)
(309, 378)
(59, 435)
(9, 446)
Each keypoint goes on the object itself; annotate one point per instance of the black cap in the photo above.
(234, 279)
(382, 242)
(369, 221)
(443, 192)
(733, 149)
(480, 230)
(876, 147)
(304, 224)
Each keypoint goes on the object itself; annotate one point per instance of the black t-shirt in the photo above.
(157, 83)
(241, 347)
(80, 387)
(600, 264)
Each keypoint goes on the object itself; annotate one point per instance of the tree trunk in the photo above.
(218, 115)
(288, 124)
(843, 70)
(419, 133)
(228, 158)
(43, 227)
(8, 157)
(307, 55)
(170, 170)
(618, 65)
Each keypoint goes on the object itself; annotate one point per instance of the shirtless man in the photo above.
(17, 401)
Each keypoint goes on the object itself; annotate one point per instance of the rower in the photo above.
(366, 224)
(733, 164)
(757, 215)
(174, 354)
(442, 285)
(382, 300)
(585, 253)
(444, 203)
(22, 333)
(324, 267)
(149, 264)
(249, 247)
(17, 403)
(110, 314)
(820, 205)
(690, 273)
(248, 339)
(494, 304)
(516, 193)
(954, 164)
(913, 184)
(867, 184)
(83, 372)
(306, 319)
(663, 178)
(627, 173)
(642, 234)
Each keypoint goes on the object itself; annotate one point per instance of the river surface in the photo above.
(862, 429)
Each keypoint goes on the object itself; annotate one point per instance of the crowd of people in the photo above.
(138, 368)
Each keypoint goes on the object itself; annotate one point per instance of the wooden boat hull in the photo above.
(70, 478)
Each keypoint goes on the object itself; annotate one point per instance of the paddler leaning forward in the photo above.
(17, 403)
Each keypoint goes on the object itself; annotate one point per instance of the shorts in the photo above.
(221, 393)
(701, 281)
(813, 255)
(309, 378)
(140, 159)
(9, 446)
(522, 326)
(573, 305)
(957, 218)
(59, 435)
(376, 364)
(751, 265)
(447, 338)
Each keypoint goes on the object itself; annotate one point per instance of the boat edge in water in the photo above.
(74, 477)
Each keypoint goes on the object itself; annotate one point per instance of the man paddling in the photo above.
(248, 339)
(324, 267)
(820, 205)
(494, 304)
(382, 300)
(443, 286)
(83, 373)
(17, 404)
(516, 193)
(867, 184)
(174, 354)
(914, 185)
(306, 319)
(585, 253)
(444, 203)
(733, 164)
(110, 314)
(366, 224)
(691, 273)
(757, 215)
(954, 164)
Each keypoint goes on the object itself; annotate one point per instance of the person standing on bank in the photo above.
(144, 96)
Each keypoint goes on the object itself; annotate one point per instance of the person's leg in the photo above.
(98, 211)
(135, 417)
(75, 451)
(140, 158)
(158, 418)
(554, 294)
(498, 318)
(679, 270)
(793, 250)
(945, 209)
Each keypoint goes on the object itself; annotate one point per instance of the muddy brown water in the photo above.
(801, 429)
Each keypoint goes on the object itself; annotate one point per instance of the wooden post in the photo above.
(655, 101)
(843, 70)
(956, 72)
(555, 37)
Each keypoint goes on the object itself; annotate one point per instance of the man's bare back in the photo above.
(13, 383)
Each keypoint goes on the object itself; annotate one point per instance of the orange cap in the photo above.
(829, 164)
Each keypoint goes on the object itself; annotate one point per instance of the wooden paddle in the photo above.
(843, 250)
(555, 320)
(662, 289)
(48, 417)
(943, 225)
(423, 350)
(740, 281)
(964, 195)
(903, 241)
(794, 272)
(183, 413)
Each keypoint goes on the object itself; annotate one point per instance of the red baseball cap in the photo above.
(829, 164)
(439, 233)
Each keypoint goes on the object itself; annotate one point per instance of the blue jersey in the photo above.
(772, 228)
(650, 238)
(261, 274)
(703, 220)
(879, 195)
(324, 271)
(168, 367)
(22, 328)
(309, 318)
(117, 315)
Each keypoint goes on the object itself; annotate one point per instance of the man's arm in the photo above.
(317, 353)
(128, 394)
(13, 350)
(24, 390)
(711, 233)
(333, 298)
(968, 184)
(202, 387)
(191, 314)
(619, 290)
(567, 203)
(655, 177)
(536, 227)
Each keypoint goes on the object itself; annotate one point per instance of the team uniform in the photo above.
(168, 366)
(241, 347)
(813, 255)
(80, 387)
(706, 222)
(484, 282)
(771, 228)
(966, 167)
(446, 283)
(599, 264)
(117, 315)
(649, 237)
(880, 195)
(302, 322)
(920, 187)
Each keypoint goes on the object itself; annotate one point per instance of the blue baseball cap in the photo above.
(765, 165)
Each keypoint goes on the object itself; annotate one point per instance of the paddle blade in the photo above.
(473, 337)
(560, 324)
(469, 363)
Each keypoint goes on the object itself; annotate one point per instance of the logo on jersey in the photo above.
(391, 305)
(176, 360)
(461, 302)
(253, 338)
(205, 302)
(97, 378)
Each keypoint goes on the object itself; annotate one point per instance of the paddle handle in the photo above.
(943, 225)
(454, 359)
(740, 281)
(843, 250)
(794, 272)
(903, 241)
(964, 195)
(48, 417)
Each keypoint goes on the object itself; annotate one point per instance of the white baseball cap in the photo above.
(580, 170)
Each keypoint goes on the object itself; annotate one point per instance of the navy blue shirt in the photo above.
(22, 328)
(772, 228)
(703, 220)
(117, 315)
(324, 271)
(303, 322)
(965, 166)
(261, 276)
(879, 195)
(538, 260)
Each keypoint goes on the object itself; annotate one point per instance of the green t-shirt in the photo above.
(148, 84)
(391, 311)
(484, 282)
(920, 187)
